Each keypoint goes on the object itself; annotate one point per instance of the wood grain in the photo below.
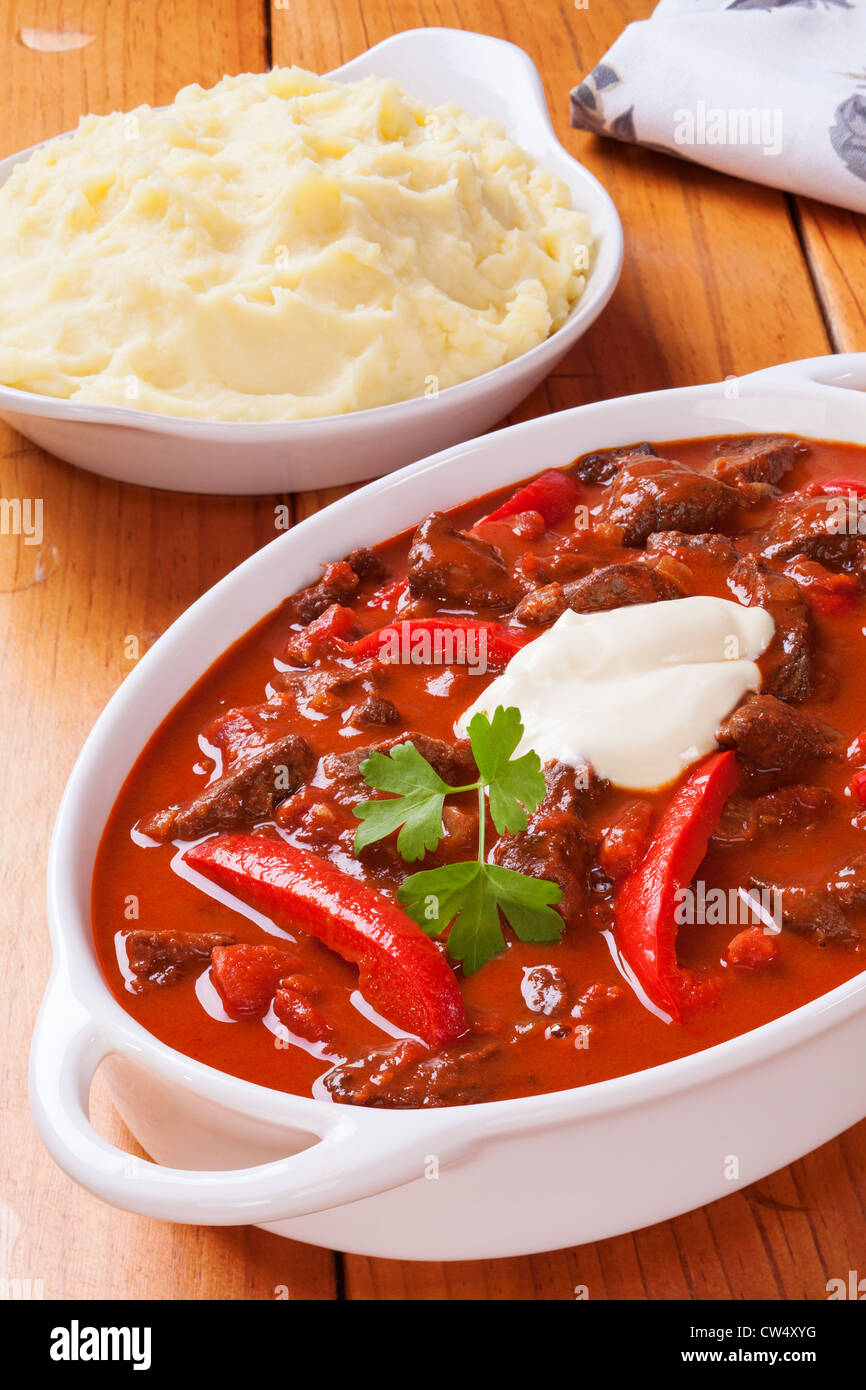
(126, 561)
(834, 242)
(721, 277)
(715, 284)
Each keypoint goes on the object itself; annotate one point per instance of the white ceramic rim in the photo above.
(81, 1010)
(600, 285)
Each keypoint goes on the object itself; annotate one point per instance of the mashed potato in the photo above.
(280, 246)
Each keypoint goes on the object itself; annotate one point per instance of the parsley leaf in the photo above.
(469, 897)
(527, 903)
(417, 807)
(512, 783)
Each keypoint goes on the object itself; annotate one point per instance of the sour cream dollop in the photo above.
(637, 692)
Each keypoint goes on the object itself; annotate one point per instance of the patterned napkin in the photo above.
(769, 90)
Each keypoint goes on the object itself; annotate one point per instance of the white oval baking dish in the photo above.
(486, 76)
(501, 1178)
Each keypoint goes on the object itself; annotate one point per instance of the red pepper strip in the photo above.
(495, 643)
(402, 973)
(832, 487)
(646, 927)
(553, 494)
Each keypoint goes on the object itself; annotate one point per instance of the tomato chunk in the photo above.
(753, 949)
(300, 1016)
(247, 976)
(323, 635)
(625, 842)
(857, 786)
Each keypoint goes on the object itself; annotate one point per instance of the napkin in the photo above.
(768, 90)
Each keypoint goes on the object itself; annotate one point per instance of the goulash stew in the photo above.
(568, 783)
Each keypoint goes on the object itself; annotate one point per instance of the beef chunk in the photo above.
(800, 804)
(710, 544)
(553, 846)
(848, 885)
(325, 691)
(542, 606)
(453, 761)
(250, 791)
(818, 911)
(164, 957)
(456, 568)
(572, 790)
(745, 817)
(616, 586)
(663, 495)
(376, 711)
(810, 912)
(404, 1075)
(337, 585)
(358, 1080)
(771, 737)
(366, 563)
(603, 466)
(787, 664)
(612, 586)
(819, 528)
(461, 829)
(756, 459)
(316, 820)
(556, 844)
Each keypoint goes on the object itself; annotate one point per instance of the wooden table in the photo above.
(721, 278)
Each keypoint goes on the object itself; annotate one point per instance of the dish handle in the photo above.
(358, 1154)
(843, 370)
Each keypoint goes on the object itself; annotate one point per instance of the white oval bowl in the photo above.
(514, 1176)
(486, 76)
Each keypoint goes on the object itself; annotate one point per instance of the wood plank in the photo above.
(122, 561)
(782, 1238)
(715, 284)
(834, 241)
